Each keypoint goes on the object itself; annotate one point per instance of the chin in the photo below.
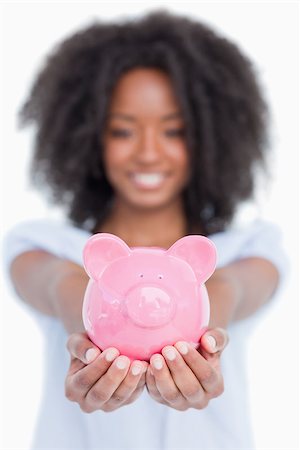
(148, 203)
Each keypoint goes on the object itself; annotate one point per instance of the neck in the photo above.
(146, 228)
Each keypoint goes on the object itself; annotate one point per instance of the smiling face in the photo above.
(145, 154)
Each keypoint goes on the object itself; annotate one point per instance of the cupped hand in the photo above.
(184, 377)
(101, 380)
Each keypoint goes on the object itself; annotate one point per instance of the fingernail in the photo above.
(182, 347)
(91, 354)
(121, 363)
(111, 354)
(170, 354)
(212, 342)
(157, 363)
(136, 369)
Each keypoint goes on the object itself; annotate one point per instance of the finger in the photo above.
(134, 396)
(75, 366)
(82, 348)
(184, 378)
(151, 386)
(83, 380)
(164, 381)
(207, 375)
(104, 388)
(213, 341)
(135, 379)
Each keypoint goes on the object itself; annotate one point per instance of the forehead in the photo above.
(144, 90)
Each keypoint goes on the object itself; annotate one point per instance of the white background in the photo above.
(267, 32)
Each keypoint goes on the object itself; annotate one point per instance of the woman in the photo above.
(148, 129)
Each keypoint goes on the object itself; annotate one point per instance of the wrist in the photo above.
(224, 296)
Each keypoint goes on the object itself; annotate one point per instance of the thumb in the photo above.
(82, 348)
(214, 340)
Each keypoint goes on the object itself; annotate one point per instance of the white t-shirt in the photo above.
(145, 424)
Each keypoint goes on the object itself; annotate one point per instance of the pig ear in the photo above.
(199, 252)
(101, 249)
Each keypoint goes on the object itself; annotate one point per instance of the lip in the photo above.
(139, 184)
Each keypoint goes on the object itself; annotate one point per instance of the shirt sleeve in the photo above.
(60, 239)
(259, 239)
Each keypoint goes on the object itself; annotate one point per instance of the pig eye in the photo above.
(141, 275)
(160, 277)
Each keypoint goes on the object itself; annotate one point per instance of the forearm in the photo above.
(51, 285)
(66, 294)
(224, 296)
(239, 289)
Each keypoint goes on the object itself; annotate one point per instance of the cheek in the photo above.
(115, 155)
(180, 157)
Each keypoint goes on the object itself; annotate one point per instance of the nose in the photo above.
(149, 148)
(149, 306)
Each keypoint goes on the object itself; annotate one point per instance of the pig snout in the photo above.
(150, 306)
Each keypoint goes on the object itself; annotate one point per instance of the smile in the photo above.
(148, 180)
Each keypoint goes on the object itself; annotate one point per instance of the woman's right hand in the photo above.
(101, 380)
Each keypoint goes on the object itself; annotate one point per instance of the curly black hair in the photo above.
(216, 87)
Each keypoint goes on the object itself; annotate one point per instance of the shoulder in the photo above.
(58, 237)
(258, 238)
(51, 225)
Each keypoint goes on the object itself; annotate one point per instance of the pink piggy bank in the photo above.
(142, 298)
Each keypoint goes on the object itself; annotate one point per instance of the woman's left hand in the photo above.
(183, 377)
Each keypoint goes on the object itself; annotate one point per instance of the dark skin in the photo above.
(144, 135)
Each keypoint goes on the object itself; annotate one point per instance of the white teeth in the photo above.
(149, 179)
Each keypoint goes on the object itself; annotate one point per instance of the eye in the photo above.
(160, 277)
(178, 132)
(119, 133)
(141, 275)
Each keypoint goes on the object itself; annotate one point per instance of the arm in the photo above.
(183, 377)
(56, 287)
(51, 285)
(239, 289)
(96, 380)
